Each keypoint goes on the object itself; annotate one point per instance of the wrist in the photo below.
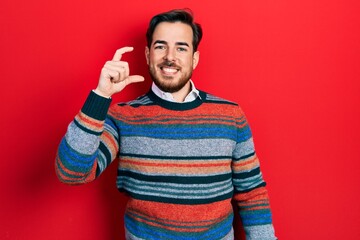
(101, 94)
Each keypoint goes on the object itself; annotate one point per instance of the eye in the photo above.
(160, 47)
(181, 49)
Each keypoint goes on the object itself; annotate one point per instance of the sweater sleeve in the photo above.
(89, 145)
(250, 194)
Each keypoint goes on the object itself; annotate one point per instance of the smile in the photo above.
(169, 70)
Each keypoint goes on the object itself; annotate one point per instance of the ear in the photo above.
(147, 55)
(196, 57)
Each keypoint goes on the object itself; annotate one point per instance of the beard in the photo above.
(168, 83)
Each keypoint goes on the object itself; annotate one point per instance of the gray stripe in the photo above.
(101, 162)
(169, 147)
(263, 232)
(172, 174)
(215, 98)
(141, 101)
(182, 196)
(244, 148)
(111, 130)
(80, 141)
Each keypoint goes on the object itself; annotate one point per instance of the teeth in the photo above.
(169, 70)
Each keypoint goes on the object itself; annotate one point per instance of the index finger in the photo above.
(120, 52)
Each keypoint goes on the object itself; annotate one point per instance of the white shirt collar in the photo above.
(193, 94)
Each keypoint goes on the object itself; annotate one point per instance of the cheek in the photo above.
(151, 62)
(188, 62)
(155, 59)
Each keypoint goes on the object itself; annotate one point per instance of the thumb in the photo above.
(134, 78)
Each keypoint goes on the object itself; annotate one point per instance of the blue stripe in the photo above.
(182, 133)
(161, 119)
(70, 157)
(243, 134)
(142, 230)
(220, 230)
(256, 218)
(145, 231)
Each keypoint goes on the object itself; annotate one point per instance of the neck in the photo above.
(180, 95)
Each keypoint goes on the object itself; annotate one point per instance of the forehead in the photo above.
(173, 32)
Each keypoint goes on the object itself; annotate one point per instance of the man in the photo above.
(184, 154)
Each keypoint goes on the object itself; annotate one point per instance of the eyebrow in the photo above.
(177, 43)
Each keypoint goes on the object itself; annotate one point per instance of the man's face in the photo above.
(171, 57)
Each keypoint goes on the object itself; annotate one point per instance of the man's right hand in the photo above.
(115, 75)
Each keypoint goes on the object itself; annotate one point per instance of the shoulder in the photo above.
(142, 100)
(210, 98)
(130, 108)
(223, 104)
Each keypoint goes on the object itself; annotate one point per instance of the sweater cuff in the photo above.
(96, 106)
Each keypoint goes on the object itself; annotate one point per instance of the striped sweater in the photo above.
(181, 164)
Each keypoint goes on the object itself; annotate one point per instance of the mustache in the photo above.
(168, 64)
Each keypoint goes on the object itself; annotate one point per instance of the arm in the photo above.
(86, 149)
(91, 141)
(250, 193)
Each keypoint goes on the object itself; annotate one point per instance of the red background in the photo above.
(292, 65)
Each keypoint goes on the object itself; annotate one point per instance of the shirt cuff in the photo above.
(96, 106)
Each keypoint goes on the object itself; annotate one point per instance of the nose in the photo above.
(170, 55)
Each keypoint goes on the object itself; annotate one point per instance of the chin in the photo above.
(169, 84)
(169, 88)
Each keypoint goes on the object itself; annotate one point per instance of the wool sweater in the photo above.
(182, 164)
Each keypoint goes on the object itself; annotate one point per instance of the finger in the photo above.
(118, 54)
(114, 76)
(122, 67)
(116, 64)
(135, 78)
(109, 73)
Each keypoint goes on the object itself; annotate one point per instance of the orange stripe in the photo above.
(159, 225)
(255, 204)
(86, 177)
(61, 176)
(156, 115)
(175, 170)
(67, 170)
(245, 164)
(86, 119)
(139, 215)
(177, 166)
(110, 143)
(256, 194)
(184, 165)
(204, 109)
(227, 112)
(181, 213)
(257, 208)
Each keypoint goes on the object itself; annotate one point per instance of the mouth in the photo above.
(169, 71)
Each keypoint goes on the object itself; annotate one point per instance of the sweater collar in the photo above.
(193, 94)
(176, 105)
